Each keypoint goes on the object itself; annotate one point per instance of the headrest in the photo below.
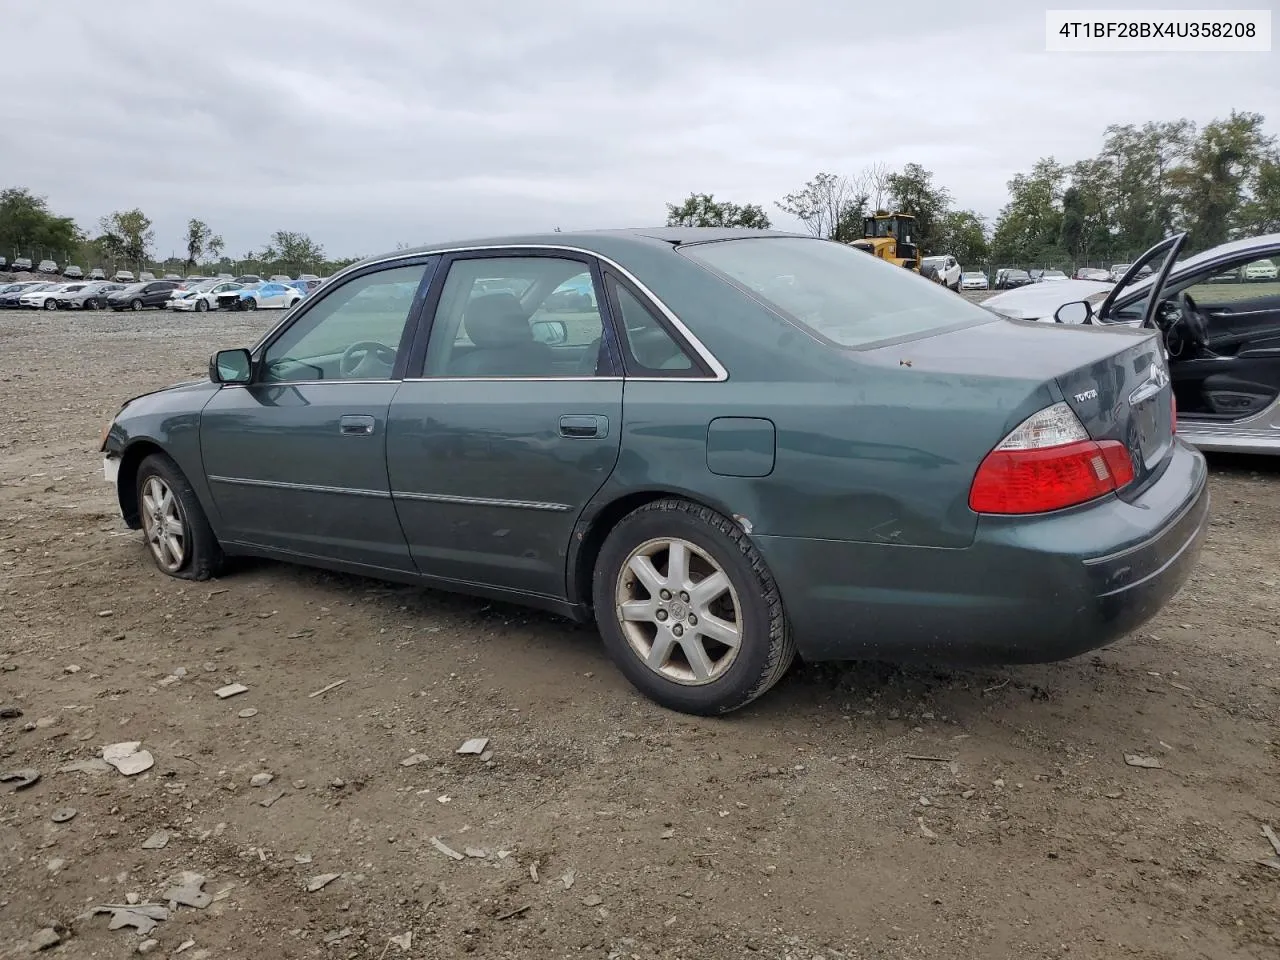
(497, 320)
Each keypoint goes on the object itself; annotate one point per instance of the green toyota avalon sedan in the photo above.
(724, 446)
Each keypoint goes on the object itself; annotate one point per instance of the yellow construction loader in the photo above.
(889, 237)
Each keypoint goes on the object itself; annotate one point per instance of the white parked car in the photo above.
(1051, 276)
(253, 296)
(202, 296)
(123, 276)
(945, 270)
(1260, 270)
(974, 280)
(47, 299)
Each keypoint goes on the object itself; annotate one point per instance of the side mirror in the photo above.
(1076, 312)
(230, 366)
(551, 332)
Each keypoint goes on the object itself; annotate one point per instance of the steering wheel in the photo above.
(355, 357)
(1192, 320)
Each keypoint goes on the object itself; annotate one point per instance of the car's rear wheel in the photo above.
(174, 524)
(136, 305)
(689, 610)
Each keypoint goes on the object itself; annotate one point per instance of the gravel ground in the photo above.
(856, 811)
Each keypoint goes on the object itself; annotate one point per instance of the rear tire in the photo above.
(677, 647)
(177, 532)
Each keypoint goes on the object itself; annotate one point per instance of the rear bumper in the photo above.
(1028, 590)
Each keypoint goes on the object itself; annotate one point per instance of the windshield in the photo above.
(835, 290)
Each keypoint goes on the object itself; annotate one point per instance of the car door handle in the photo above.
(584, 427)
(355, 425)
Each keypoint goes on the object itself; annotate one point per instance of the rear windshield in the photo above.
(844, 295)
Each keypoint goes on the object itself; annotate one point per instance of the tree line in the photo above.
(1216, 182)
(126, 239)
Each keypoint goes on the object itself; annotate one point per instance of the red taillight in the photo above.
(1048, 463)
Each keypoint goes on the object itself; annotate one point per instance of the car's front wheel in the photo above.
(174, 524)
(51, 304)
(202, 305)
(688, 609)
(136, 305)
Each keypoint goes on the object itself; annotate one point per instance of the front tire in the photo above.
(249, 304)
(175, 527)
(689, 610)
(202, 305)
(135, 305)
(51, 304)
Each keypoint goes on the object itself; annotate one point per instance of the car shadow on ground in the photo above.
(821, 690)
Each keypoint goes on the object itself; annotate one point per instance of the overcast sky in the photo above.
(366, 123)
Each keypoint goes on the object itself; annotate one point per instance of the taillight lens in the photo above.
(1047, 463)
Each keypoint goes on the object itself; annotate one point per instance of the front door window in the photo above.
(354, 333)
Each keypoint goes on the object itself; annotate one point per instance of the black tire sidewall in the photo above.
(742, 681)
(204, 555)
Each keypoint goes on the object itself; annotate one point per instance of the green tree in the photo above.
(291, 251)
(1261, 212)
(912, 191)
(963, 234)
(27, 223)
(201, 242)
(1226, 157)
(703, 210)
(829, 206)
(1030, 224)
(127, 234)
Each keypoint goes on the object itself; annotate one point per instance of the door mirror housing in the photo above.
(1076, 312)
(231, 366)
(551, 332)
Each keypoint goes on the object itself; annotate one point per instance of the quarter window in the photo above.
(354, 333)
(649, 348)
(516, 317)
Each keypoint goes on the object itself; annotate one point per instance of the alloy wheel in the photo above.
(163, 524)
(678, 611)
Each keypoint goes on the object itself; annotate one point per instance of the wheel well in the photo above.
(127, 479)
(591, 536)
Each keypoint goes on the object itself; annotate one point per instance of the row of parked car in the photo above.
(197, 294)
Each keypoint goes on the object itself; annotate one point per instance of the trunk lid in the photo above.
(1127, 397)
(1115, 379)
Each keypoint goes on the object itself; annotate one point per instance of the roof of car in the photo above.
(598, 241)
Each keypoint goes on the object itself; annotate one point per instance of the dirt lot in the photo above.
(817, 823)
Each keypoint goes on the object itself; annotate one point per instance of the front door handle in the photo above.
(584, 427)
(355, 425)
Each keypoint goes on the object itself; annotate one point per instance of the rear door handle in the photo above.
(584, 427)
(355, 425)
